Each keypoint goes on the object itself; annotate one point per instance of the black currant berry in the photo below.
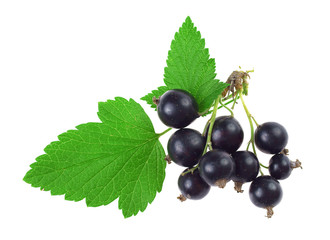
(185, 147)
(246, 168)
(177, 108)
(271, 137)
(227, 134)
(216, 168)
(280, 166)
(192, 186)
(266, 192)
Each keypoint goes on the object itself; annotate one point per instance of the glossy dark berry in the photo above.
(185, 147)
(216, 167)
(177, 108)
(246, 168)
(265, 192)
(192, 186)
(271, 137)
(227, 134)
(280, 166)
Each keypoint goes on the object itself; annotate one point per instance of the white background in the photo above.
(58, 59)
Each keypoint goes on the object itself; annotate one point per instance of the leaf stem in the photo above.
(162, 133)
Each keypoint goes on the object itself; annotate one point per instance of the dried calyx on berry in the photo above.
(246, 168)
(192, 186)
(266, 192)
(216, 168)
(280, 166)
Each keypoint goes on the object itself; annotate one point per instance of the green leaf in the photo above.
(155, 93)
(119, 157)
(189, 67)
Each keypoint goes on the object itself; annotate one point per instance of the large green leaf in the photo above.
(119, 157)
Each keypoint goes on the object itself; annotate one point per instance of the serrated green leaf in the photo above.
(119, 157)
(189, 67)
(155, 93)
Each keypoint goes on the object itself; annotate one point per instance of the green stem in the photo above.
(248, 114)
(251, 141)
(226, 103)
(255, 121)
(231, 112)
(236, 97)
(212, 119)
(247, 148)
(162, 133)
(208, 144)
(206, 126)
(263, 165)
(191, 170)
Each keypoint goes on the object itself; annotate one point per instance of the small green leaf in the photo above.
(189, 67)
(155, 93)
(119, 157)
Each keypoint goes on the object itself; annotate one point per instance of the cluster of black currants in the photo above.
(220, 161)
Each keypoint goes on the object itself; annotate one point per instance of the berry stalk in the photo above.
(222, 105)
(212, 119)
(249, 116)
(208, 143)
(226, 103)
